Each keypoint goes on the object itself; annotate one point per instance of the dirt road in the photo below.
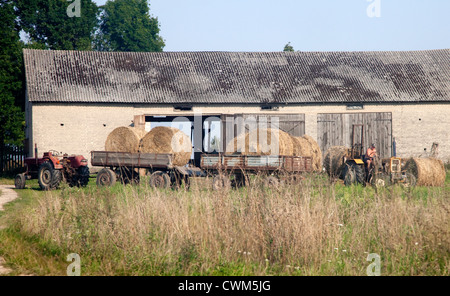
(7, 195)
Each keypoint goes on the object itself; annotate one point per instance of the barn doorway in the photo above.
(335, 129)
(235, 124)
(206, 130)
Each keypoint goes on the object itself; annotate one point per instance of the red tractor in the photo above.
(52, 168)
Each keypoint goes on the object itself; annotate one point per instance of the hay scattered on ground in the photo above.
(262, 142)
(334, 160)
(124, 139)
(171, 140)
(428, 171)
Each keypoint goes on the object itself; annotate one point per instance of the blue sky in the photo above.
(310, 25)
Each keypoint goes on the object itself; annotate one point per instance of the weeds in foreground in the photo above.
(313, 228)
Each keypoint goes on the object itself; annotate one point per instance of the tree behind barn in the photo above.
(11, 78)
(47, 23)
(126, 25)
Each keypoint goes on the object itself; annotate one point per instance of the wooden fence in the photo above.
(11, 159)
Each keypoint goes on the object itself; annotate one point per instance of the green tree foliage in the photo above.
(11, 77)
(47, 22)
(288, 47)
(126, 25)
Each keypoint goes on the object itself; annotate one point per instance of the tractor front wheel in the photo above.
(48, 177)
(380, 180)
(409, 180)
(19, 181)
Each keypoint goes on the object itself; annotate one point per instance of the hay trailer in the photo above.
(128, 168)
(228, 169)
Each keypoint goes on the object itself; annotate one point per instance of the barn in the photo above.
(75, 99)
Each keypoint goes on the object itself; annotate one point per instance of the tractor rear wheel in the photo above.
(48, 177)
(106, 177)
(349, 175)
(81, 177)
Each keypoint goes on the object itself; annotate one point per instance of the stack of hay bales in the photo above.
(334, 160)
(170, 140)
(428, 171)
(253, 144)
(124, 139)
(159, 140)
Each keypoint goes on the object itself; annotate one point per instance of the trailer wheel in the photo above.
(48, 177)
(19, 181)
(271, 182)
(221, 182)
(106, 177)
(159, 180)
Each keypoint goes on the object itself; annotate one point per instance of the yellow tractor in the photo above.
(354, 171)
(391, 171)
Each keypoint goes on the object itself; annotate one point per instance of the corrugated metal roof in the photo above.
(237, 77)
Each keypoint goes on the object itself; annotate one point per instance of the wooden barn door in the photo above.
(293, 124)
(336, 130)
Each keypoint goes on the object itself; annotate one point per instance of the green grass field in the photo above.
(315, 228)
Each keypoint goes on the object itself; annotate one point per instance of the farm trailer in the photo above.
(224, 169)
(125, 167)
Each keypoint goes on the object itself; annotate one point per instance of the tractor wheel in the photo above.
(57, 178)
(409, 180)
(48, 177)
(83, 176)
(221, 182)
(380, 180)
(106, 177)
(360, 174)
(349, 175)
(159, 179)
(19, 181)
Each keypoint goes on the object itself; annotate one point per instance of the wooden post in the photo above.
(139, 121)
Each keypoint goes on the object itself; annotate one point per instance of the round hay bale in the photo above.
(307, 146)
(124, 139)
(170, 140)
(302, 147)
(428, 171)
(334, 160)
(238, 144)
(316, 153)
(262, 142)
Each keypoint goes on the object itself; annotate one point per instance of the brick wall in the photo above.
(80, 129)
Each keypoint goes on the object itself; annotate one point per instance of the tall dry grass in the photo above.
(315, 228)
